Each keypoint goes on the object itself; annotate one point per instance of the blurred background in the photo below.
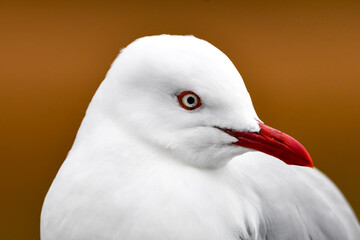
(300, 62)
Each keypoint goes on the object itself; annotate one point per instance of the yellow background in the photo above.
(300, 62)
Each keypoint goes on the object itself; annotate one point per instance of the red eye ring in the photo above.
(189, 100)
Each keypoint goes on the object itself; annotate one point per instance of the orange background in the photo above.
(300, 62)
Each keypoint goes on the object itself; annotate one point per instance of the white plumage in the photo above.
(143, 167)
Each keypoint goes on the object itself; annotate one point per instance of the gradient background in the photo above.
(300, 62)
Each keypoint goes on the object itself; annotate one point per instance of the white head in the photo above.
(144, 88)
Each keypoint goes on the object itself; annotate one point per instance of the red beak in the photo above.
(274, 143)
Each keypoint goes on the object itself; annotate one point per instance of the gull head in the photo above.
(185, 98)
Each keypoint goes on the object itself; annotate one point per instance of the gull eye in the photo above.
(189, 100)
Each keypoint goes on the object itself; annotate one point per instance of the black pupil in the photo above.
(190, 100)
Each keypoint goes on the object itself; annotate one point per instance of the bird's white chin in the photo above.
(202, 147)
(216, 156)
(212, 157)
